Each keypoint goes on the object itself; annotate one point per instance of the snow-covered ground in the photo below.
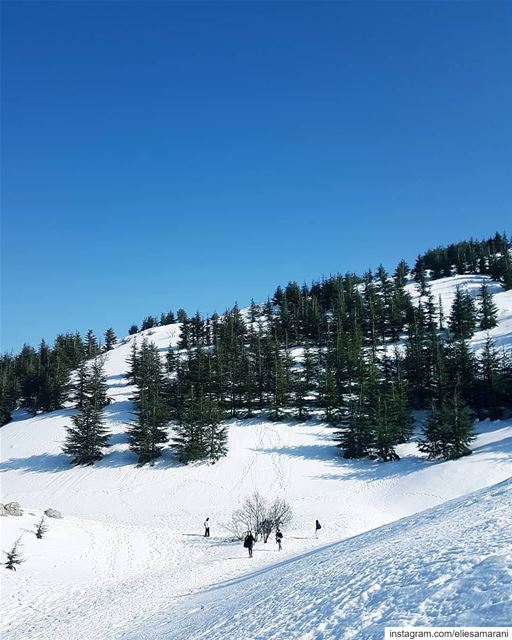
(443, 291)
(447, 566)
(129, 552)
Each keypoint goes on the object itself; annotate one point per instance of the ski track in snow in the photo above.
(128, 559)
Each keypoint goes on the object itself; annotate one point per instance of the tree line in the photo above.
(354, 351)
(487, 257)
(39, 379)
(357, 354)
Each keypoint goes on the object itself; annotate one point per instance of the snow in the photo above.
(443, 290)
(130, 550)
(448, 566)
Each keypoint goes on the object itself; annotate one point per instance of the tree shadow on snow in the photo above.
(305, 452)
(42, 463)
(114, 458)
(377, 470)
(502, 446)
(118, 438)
(119, 412)
(116, 376)
(363, 470)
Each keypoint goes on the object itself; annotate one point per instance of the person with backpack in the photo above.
(207, 528)
(279, 538)
(249, 542)
(318, 526)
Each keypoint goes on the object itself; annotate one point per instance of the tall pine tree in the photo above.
(88, 437)
(149, 432)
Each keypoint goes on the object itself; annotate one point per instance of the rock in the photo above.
(3, 512)
(53, 513)
(13, 509)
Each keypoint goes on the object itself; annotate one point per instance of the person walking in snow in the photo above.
(318, 526)
(279, 538)
(207, 528)
(249, 542)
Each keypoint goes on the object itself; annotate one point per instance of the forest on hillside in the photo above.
(353, 351)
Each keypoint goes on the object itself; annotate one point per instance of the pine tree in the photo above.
(9, 388)
(416, 358)
(97, 388)
(188, 439)
(421, 278)
(386, 427)
(461, 367)
(77, 391)
(14, 556)
(149, 322)
(280, 376)
(488, 383)
(167, 318)
(171, 360)
(88, 437)
(254, 312)
(133, 363)
(398, 402)
(110, 339)
(462, 431)
(41, 528)
(303, 381)
(505, 387)
(436, 432)
(185, 339)
(449, 430)
(462, 317)
(216, 436)
(488, 312)
(328, 394)
(43, 400)
(92, 348)
(356, 435)
(148, 433)
(441, 313)
(181, 315)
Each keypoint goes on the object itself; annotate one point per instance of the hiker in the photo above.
(207, 528)
(318, 526)
(249, 542)
(279, 538)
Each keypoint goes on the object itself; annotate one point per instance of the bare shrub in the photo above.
(256, 514)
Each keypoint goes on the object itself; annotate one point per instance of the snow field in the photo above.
(130, 550)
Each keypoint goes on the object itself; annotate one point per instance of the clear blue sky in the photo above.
(166, 154)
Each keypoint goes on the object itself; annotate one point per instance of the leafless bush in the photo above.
(256, 514)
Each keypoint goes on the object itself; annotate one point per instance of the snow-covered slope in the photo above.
(448, 566)
(443, 292)
(130, 546)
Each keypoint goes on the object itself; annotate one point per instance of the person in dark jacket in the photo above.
(279, 539)
(249, 542)
(318, 526)
(207, 528)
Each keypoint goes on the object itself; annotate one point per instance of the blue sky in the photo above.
(166, 154)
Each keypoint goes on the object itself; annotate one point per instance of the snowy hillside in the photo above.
(443, 291)
(129, 547)
(448, 566)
